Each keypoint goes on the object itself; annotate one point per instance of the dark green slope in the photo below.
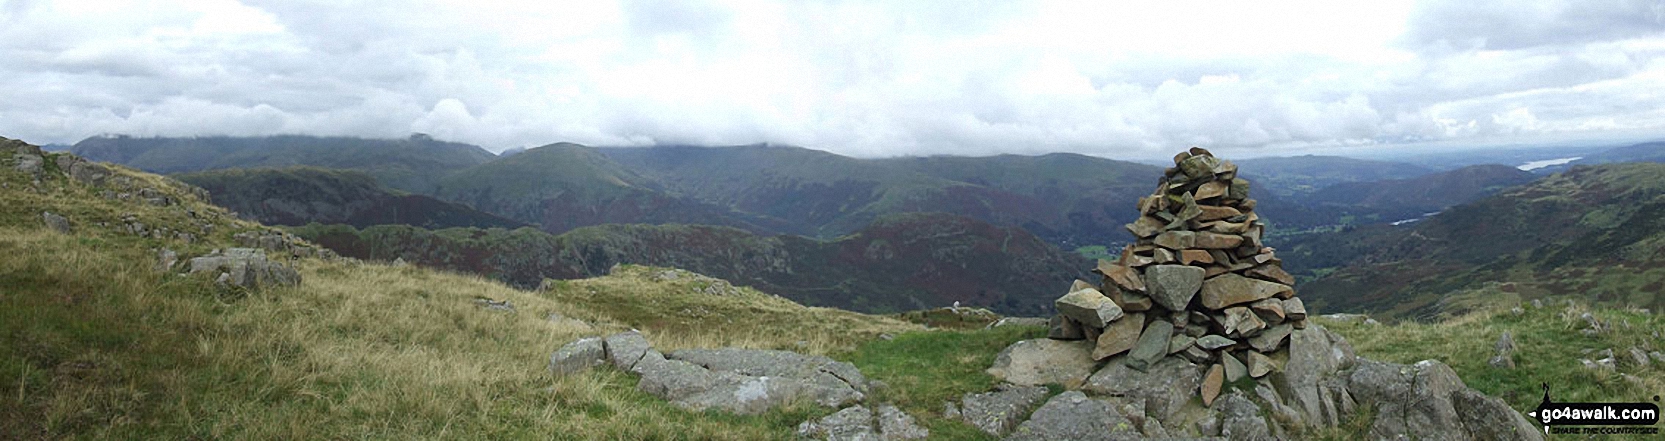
(1298, 176)
(1064, 198)
(412, 164)
(564, 186)
(1397, 199)
(302, 195)
(900, 262)
(1592, 231)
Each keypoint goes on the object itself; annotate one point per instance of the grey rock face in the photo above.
(999, 411)
(55, 222)
(1315, 356)
(578, 356)
(625, 349)
(897, 425)
(1164, 387)
(828, 382)
(1240, 419)
(854, 423)
(1173, 286)
(247, 268)
(29, 164)
(88, 173)
(1042, 361)
(1490, 418)
(1073, 416)
(1421, 401)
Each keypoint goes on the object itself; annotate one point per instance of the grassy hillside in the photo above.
(94, 343)
(901, 262)
(1593, 231)
(301, 195)
(413, 164)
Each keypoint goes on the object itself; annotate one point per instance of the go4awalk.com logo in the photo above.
(1596, 418)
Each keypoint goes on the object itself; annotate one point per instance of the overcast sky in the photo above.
(882, 78)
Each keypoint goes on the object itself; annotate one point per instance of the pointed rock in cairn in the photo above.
(1198, 264)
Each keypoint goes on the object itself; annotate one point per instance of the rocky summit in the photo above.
(1195, 331)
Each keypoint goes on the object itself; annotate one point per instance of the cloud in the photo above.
(863, 78)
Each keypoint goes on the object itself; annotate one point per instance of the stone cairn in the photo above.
(1198, 283)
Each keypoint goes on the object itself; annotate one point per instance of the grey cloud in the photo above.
(1515, 25)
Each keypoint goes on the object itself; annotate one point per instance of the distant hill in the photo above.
(1594, 231)
(900, 262)
(1298, 176)
(301, 195)
(565, 186)
(412, 164)
(1395, 199)
(1065, 198)
(1644, 152)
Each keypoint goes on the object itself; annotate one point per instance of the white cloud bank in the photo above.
(1117, 79)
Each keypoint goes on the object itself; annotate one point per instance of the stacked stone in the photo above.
(1198, 283)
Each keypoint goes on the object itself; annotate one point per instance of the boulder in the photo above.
(89, 173)
(852, 423)
(1152, 345)
(578, 356)
(55, 222)
(1089, 307)
(1240, 419)
(1310, 376)
(625, 349)
(1120, 336)
(1489, 418)
(1173, 286)
(1231, 289)
(1195, 257)
(1044, 361)
(247, 268)
(1213, 213)
(1163, 388)
(897, 425)
(999, 411)
(29, 164)
(1073, 416)
(823, 380)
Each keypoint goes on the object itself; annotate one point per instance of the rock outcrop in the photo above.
(246, 268)
(745, 381)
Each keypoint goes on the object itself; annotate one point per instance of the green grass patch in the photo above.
(924, 370)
